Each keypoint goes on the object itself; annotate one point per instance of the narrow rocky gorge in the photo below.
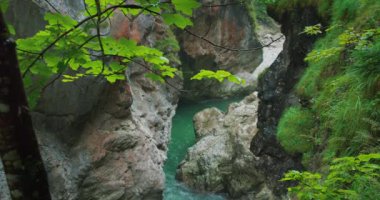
(210, 165)
(112, 143)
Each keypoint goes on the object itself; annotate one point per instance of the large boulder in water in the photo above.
(221, 161)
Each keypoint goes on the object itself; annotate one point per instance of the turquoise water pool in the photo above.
(183, 137)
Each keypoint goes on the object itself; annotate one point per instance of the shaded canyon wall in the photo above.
(102, 141)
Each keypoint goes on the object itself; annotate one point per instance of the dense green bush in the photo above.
(350, 178)
(295, 130)
(366, 66)
(342, 81)
(342, 118)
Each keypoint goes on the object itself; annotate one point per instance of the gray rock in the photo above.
(102, 141)
(4, 190)
(221, 161)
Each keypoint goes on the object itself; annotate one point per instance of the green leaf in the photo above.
(318, 55)
(154, 77)
(64, 21)
(313, 30)
(61, 67)
(52, 59)
(186, 6)
(114, 66)
(368, 157)
(178, 20)
(4, 4)
(114, 77)
(219, 75)
(11, 29)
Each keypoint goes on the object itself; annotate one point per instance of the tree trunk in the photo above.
(19, 151)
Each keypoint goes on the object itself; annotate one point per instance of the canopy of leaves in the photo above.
(219, 75)
(73, 49)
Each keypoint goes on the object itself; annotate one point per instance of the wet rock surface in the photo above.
(221, 161)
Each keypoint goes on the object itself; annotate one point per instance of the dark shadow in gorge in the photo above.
(276, 94)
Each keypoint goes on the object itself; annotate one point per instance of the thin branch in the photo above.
(87, 41)
(98, 31)
(87, 11)
(208, 30)
(26, 51)
(51, 82)
(232, 49)
(131, 6)
(51, 5)
(223, 5)
(149, 69)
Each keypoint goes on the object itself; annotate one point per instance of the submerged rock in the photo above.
(221, 161)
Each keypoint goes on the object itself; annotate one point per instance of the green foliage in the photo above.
(341, 83)
(258, 13)
(366, 66)
(177, 19)
(348, 178)
(295, 130)
(286, 5)
(313, 30)
(73, 49)
(219, 75)
(349, 39)
(4, 4)
(318, 55)
(342, 116)
(66, 45)
(345, 10)
(169, 45)
(185, 7)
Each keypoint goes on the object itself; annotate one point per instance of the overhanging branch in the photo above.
(40, 55)
(229, 48)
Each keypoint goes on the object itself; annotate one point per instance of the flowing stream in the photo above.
(183, 137)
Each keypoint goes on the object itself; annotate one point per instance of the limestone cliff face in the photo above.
(102, 141)
(114, 151)
(227, 26)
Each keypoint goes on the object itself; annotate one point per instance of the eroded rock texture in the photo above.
(102, 141)
(221, 161)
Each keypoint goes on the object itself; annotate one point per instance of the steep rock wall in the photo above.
(102, 141)
(276, 94)
(231, 27)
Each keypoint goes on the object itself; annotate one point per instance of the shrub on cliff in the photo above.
(341, 83)
(295, 130)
